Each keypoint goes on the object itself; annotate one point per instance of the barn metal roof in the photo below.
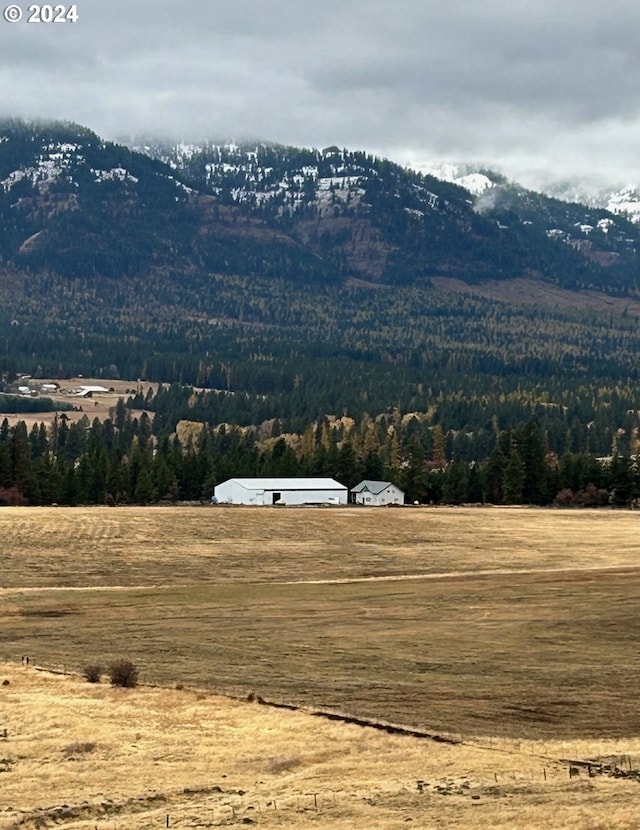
(288, 483)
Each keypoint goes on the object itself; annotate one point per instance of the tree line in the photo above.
(122, 460)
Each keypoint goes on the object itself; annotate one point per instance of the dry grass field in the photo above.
(511, 630)
(83, 756)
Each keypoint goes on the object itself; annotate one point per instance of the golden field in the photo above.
(513, 631)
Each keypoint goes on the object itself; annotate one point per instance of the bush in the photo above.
(92, 673)
(123, 673)
(79, 748)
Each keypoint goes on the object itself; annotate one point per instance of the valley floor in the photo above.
(508, 632)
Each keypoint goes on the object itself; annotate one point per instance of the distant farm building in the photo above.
(376, 493)
(89, 391)
(261, 491)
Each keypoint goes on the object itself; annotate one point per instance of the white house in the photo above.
(280, 491)
(376, 493)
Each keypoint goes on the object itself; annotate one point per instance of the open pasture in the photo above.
(510, 623)
(82, 756)
(511, 630)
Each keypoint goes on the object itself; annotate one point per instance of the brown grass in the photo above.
(131, 546)
(207, 761)
(512, 629)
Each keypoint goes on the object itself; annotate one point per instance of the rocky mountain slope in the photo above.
(315, 193)
(78, 206)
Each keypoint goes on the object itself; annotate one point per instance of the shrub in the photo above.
(123, 673)
(79, 748)
(92, 673)
(12, 496)
(277, 765)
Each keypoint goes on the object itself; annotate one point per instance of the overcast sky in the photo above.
(535, 88)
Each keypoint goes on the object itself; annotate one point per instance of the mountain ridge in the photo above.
(495, 198)
(79, 205)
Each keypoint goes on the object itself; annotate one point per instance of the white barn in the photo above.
(87, 391)
(376, 493)
(280, 491)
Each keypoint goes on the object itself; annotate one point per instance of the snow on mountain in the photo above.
(115, 174)
(626, 201)
(464, 175)
(623, 201)
(255, 175)
(50, 164)
(476, 183)
(66, 162)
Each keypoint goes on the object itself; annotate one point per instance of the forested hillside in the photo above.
(79, 206)
(287, 300)
(136, 460)
(380, 222)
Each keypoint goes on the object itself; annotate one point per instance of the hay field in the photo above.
(503, 622)
(513, 630)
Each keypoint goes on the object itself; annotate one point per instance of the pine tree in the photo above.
(20, 460)
(513, 478)
(493, 471)
(454, 488)
(414, 475)
(144, 492)
(622, 481)
(532, 451)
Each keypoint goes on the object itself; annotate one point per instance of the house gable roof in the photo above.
(375, 487)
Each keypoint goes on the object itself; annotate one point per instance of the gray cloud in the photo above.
(537, 89)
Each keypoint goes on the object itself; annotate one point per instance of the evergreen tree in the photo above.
(455, 482)
(144, 492)
(348, 471)
(6, 467)
(493, 473)
(532, 451)
(622, 482)
(20, 460)
(414, 475)
(513, 477)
